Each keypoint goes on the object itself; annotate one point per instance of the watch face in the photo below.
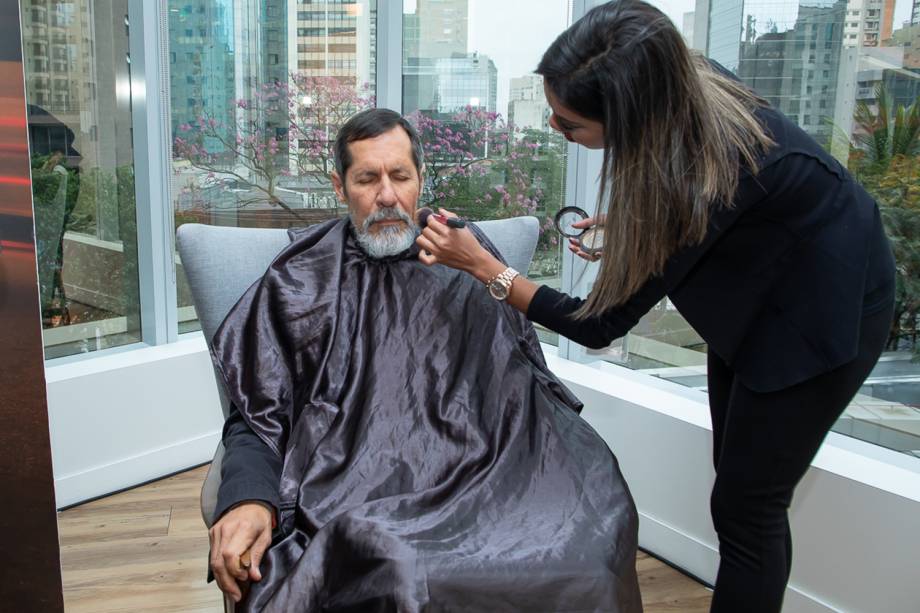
(498, 290)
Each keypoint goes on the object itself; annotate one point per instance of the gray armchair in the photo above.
(221, 263)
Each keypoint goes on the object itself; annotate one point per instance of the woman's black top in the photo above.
(780, 283)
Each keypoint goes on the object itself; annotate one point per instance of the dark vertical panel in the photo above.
(30, 579)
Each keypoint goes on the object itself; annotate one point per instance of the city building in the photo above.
(437, 29)
(465, 80)
(80, 57)
(794, 64)
(442, 28)
(334, 39)
(868, 22)
(527, 107)
(719, 25)
(201, 52)
(79, 91)
(260, 36)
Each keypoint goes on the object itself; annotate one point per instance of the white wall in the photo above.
(129, 417)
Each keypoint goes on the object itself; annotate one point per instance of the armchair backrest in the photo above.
(221, 263)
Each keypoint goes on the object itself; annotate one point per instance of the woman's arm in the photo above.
(458, 248)
(554, 310)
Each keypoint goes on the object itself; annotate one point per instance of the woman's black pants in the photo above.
(762, 446)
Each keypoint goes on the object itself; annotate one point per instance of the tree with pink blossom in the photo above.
(483, 168)
(283, 130)
(476, 164)
(318, 107)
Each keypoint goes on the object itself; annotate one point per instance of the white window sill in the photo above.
(863, 462)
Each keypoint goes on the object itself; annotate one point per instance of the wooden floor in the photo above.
(146, 550)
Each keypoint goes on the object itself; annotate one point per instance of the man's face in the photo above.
(381, 188)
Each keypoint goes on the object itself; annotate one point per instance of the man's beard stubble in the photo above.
(387, 240)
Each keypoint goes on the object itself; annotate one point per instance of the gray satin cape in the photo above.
(432, 462)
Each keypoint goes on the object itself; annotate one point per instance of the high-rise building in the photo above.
(78, 90)
(437, 30)
(439, 76)
(201, 61)
(701, 15)
(57, 39)
(332, 39)
(814, 60)
(260, 43)
(720, 25)
(276, 41)
(336, 39)
(443, 27)
(466, 80)
(410, 36)
(868, 22)
(527, 107)
(418, 73)
(789, 52)
(79, 52)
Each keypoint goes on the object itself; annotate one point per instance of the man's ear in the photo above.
(339, 186)
(421, 174)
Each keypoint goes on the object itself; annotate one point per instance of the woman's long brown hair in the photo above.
(676, 133)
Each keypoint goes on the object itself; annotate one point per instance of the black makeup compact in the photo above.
(590, 240)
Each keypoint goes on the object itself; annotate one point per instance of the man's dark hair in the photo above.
(369, 124)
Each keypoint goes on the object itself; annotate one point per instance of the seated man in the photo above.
(396, 435)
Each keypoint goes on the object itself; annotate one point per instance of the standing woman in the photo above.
(762, 240)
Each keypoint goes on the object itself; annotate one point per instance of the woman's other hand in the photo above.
(575, 247)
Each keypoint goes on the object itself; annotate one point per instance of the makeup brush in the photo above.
(424, 213)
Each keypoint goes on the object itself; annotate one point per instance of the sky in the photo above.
(515, 39)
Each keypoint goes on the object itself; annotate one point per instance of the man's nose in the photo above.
(387, 194)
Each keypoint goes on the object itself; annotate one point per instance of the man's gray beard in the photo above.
(387, 240)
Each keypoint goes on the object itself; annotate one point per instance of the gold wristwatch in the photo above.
(500, 285)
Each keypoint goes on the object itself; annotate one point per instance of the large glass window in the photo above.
(865, 88)
(78, 89)
(859, 98)
(469, 86)
(258, 91)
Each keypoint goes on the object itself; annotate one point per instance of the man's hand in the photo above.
(247, 526)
